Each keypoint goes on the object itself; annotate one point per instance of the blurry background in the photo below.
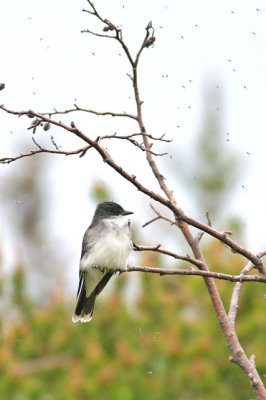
(203, 85)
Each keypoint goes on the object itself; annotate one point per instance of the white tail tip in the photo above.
(81, 318)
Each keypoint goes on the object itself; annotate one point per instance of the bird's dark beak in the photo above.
(127, 212)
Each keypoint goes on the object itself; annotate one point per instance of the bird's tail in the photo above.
(85, 305)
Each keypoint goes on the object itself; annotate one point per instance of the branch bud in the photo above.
(150, 41)
(109, 27)
(46, 126)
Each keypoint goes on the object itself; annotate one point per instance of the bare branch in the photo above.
(82, 151)
(102, 152)
(228, 241)
(95, 12)
(77, 108)
(237, 291)
(97, 34)
(54, 143)
(215, 275)
(88, 11)
(179, 215)
(110, 26)
(159, 216)
(115, 136)
(168, 203)
(149, 39)
(150, 222)
(129, 139)
(200, 234)
(36, 143)
(208, 218)
(158, 249)
(183, 221)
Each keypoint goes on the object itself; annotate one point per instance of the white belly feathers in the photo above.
(112, 248)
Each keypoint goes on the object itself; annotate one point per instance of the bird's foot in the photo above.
(120, 270)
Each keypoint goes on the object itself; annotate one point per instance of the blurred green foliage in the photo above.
(168, 345)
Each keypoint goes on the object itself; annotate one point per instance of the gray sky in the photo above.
(46, 62)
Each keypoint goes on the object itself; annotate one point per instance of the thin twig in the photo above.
(200, 234)
(97, 34)
(162, 216)
(159, 216)
(82, 151)
(54, 143)
(208, 218)
(102, 152)
(115, 136)
(129, 139)
(150, 222)
(237, 291)
(77, 108)
(196, 272)
(158, 249)
(222, 236)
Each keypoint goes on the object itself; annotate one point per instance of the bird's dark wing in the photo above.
(87, 242)
(101, 285)
(89, 238)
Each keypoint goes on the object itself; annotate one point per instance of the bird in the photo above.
(105, 249)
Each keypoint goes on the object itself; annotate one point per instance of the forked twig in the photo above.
(237, 290)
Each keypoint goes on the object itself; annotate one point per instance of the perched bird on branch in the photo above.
(105, 249)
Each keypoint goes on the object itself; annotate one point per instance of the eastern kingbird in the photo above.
(105, 249)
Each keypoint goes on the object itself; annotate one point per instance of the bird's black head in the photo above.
(108, 209)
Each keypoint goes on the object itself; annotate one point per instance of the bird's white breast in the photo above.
(110, 250)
